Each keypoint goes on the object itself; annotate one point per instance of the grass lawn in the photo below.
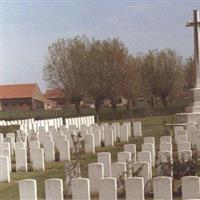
(151, 126)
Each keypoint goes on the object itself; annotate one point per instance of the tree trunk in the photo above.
(77, 107)
(129, 104)
(77, 102)
(152, 102)
(97, 105)
(164, 101)
(114, 104)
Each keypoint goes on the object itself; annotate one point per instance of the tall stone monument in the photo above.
(192, 112)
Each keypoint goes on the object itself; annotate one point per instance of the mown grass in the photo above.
(151, 126)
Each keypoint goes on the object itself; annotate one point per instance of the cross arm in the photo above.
(189, 24)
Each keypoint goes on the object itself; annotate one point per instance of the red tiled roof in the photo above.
(54, 93)
(20, 91)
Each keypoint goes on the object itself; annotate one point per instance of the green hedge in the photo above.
(104, 114)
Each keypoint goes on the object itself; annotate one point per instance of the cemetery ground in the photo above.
(151, 126)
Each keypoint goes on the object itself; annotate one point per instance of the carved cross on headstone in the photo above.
(196, 25)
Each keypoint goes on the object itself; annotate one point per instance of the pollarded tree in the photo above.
(64, 67)
(94, 80)
(106, 70)
(162, 74)
(116, 58)
(132, 81)
(148, 75)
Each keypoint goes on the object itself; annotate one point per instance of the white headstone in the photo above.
(89, 144)
(80, 189)
(20, 145)
(4, 169)
(27, 189)
(149, 140)
(185, 155)
(64, 150)
(165, 139)
(108, 189)
(54, 189)
(143, 168)
(124, 133)
(132, 149)
(134, 188)
(150, 147)
(166, 146)
(105, 158)
(118, 169)
(124, 156)
(6, 152)
(190, 187)
(21, 159)
(178, 128)
(38, 159)
(137, 129)
(97, 138)
(184, 146)
(95, 173)
(49, 151)
(34, 145)
(145, 156)
(117, 127)
(162, 188)
(1, 137)
(181, 138)
(109, 137)
(128, 124)
(165, 156)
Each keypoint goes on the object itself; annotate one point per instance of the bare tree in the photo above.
(64, 67)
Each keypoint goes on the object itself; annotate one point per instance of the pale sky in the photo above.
(29, 27)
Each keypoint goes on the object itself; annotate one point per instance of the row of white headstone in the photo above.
(143, 158)
(107, 188)
(28, 124)
(111, 133)
(38, 156)
(62, 141)
(146, 158)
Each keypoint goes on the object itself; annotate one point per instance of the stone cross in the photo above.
(196, 25)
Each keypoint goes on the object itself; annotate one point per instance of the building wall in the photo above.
(0, 106)
(59, 103)
(37, 105)
(21, 104)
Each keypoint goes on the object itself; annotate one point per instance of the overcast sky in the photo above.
(29, 27)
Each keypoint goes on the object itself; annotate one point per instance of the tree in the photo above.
(131, 83)
(95, 73)
(190, 73)
(106, 69)
(64, 67)
(115, 54)
(161, 74)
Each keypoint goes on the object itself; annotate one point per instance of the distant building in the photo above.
(21, 97)
(55, 99)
